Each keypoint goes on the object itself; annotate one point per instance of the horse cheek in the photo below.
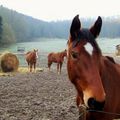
(70, 70)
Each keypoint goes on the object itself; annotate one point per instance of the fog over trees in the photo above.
(16, 27)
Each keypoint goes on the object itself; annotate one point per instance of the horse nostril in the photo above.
(93, 104)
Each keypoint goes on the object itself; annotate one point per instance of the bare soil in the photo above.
(38, 96)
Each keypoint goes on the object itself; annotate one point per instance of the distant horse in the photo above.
(31, 58)
(95, 77)
(118, 49)
(57, 58)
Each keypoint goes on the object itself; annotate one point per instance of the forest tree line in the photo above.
(16, 27)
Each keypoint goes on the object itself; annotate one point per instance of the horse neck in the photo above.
(33, 54)
(28, 52)
(110, 74)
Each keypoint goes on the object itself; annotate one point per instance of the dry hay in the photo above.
(9, 62)
(22, 70)
(25, 70)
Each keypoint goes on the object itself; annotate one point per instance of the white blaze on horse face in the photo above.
(89, 48)
(36, 54)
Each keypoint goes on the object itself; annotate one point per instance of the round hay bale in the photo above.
(9, 62)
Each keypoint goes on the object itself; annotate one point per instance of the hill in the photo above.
(17, 27)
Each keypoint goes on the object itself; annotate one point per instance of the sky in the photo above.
(53, 10)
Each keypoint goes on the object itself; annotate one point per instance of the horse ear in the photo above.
(75, 27)
(96, 28)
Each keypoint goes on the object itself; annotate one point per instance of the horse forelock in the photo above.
(87, 36)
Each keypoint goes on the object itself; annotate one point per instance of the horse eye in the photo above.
(74, 54)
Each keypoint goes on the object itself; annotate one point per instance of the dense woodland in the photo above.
(16, 27)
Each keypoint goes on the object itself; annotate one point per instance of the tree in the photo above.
(1, 28)
(8, 35)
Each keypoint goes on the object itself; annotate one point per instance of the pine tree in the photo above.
(1, 28)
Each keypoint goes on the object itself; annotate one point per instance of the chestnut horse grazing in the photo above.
(95, 77)
(57, 58)
(31, 58)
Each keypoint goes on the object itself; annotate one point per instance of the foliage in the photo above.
(8, 34)
(1, 28)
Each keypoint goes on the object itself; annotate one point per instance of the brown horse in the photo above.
(57, 58)
(31, 58)
(95, 77)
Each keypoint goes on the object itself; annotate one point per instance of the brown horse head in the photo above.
(36, 52)
(64, 53)
(83, 63)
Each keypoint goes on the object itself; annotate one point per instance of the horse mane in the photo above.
(28, 52)
(111, 59)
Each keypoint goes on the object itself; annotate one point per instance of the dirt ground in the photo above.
(38, 96)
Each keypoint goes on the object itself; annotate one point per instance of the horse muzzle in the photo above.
(95, 105)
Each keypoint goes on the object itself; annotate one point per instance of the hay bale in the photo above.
(9, 62)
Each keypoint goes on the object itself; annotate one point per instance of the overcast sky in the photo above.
(50, 10)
